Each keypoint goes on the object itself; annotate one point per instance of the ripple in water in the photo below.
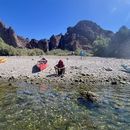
(27, 107)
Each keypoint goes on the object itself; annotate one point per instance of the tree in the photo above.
(100, 45)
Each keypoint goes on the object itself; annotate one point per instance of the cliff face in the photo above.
(41, 44)
(9, 36)
(82, 35)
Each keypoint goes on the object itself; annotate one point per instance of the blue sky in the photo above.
(42, 18)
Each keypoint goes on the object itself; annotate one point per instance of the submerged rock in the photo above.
(27, 92)
(91, 96)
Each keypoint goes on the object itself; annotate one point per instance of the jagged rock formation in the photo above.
(44, 44)
(83, 35)
(54, 41)
(9, 37)
(41, 44)
(32, 44)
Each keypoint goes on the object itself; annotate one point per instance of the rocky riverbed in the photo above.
(89, 70)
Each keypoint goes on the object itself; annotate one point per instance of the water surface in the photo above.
(27, 107)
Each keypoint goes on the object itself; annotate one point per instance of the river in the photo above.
(27, 107)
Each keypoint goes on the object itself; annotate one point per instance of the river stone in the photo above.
(108, 69)
(91, 96)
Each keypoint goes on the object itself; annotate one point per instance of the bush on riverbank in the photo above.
(100, 46)
(58, 52)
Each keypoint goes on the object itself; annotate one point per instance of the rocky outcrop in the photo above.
(32, 44)
(9, 36)
(90, 96)
(54, 41)
(43, 45)
(83, 35)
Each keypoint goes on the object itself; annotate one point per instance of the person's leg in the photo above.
(59, 72)
(56, 70)
(63, 71)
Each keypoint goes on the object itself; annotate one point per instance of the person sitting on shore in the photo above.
(60, 68)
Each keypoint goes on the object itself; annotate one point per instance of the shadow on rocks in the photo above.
(52, 75)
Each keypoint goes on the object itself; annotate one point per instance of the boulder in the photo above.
(90, 96)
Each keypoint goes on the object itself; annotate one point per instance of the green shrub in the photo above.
(58, 52)
(6, 50)
(100, 45)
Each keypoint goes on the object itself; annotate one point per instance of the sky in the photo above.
(42, 18)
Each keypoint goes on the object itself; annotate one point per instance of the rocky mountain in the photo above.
(9, 36)
(82, 35)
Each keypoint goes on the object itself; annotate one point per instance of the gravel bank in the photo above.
(77, 70)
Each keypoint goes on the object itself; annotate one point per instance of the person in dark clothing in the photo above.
(60, 68)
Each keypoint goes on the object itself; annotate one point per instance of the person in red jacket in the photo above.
(60, 68)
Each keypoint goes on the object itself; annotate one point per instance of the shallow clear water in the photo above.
(113, 112)
(27, 107)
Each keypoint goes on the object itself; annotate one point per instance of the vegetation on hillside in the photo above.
(100, 46)
(58, 52)
(6, 50)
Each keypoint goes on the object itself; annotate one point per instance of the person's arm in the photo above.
(61, 68)
(56, 67)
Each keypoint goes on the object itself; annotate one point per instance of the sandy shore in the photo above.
(77, 70)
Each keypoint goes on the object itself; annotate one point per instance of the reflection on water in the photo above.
(27, 107)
